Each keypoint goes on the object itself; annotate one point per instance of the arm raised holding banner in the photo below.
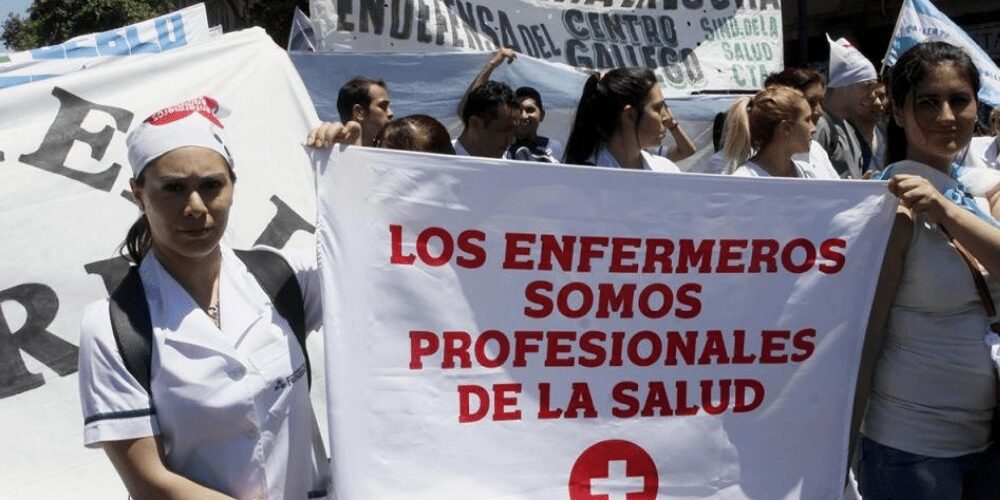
(501, 55)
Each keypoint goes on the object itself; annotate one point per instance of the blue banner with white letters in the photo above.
(177, 29)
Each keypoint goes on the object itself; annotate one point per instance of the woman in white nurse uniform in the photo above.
(228, 411)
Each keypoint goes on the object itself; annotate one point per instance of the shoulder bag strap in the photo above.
(278, 280)
(131, 326)
(979, 279)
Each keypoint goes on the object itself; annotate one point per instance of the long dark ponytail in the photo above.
(137, 240)
(601, 102)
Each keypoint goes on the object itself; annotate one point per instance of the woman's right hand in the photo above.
(920, 196)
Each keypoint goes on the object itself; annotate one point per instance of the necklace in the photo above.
(213, 312)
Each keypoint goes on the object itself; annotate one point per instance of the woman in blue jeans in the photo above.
(926, 431)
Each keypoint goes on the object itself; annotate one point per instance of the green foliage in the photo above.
(51, 22)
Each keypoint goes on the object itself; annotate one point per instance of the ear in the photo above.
(629, 114)
(138, 194)
(475, 122)
(785, 127)
(896, 116)
(358, 113)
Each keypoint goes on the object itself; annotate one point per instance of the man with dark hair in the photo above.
(366, 101)
(530, 146)
(362, 100)
(490, 114)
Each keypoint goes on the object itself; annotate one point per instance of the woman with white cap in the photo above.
(225, 411)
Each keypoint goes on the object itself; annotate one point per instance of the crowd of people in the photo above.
(210, 422)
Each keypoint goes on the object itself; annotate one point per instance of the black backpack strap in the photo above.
(278, 280)
(131, 326)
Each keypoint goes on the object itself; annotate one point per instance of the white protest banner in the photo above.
(184, 27)
(515, 330)
(694, 45)
(920, 21)
(64, 209)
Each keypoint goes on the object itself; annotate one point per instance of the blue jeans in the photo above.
(887, 473)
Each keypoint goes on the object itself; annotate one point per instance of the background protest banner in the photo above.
(919, 21)
(516, 330)
(185, 27)
(695, 45)
(65, 207)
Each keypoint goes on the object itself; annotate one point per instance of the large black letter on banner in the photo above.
(112, 271)
(66, 129)
(284, 224)
(41, 305)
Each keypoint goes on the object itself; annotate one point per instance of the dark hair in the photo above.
(354, 92)
(138, 240)
(796, 78)
(909, 72)
(523, 93)
(415, 133)
(485, 100)
(718, 128)
(601, 103)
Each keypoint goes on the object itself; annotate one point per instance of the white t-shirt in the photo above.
(816, 164)
(983, 152)
(654, 163)
(230, 404)
(751, 169)
(461, 151)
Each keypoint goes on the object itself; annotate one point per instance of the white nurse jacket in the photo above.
(231, 405)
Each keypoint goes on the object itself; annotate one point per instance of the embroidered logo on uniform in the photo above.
(285, 382)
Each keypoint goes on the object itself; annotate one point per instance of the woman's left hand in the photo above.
(919, 195)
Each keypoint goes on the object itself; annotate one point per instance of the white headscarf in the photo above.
(194, 122)
(847, 65)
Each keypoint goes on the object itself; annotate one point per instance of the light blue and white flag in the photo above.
(920, 21)
(302, 34)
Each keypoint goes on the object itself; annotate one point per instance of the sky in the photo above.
(12, 7)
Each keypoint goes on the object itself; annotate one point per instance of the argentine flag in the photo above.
(920, 21)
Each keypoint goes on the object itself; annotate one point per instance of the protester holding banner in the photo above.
(927, 430)
(219, 405)
(363, 101)
(620, 114)
(416, 133)
(811, 84)
(765, 131)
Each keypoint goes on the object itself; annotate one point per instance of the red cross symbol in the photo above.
(614, 470)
